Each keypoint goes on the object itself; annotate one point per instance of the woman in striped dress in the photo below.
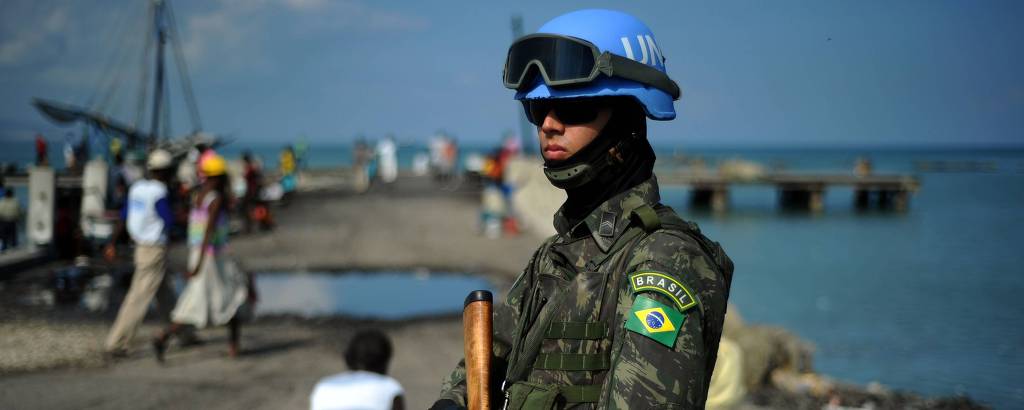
(216, 288)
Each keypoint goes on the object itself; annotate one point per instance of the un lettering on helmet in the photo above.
(650, 54)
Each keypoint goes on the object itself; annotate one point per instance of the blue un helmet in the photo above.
(592, 53)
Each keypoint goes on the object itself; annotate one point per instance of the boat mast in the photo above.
(158, 88)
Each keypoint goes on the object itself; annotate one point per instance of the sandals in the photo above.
(159, 347)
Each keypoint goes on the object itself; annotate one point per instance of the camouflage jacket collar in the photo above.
(610, 219)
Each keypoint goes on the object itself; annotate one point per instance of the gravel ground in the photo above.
(36, 343)
(408, 226)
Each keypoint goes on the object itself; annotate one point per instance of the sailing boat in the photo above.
(160, 30)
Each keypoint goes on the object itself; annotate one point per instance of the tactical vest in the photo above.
(568, 338)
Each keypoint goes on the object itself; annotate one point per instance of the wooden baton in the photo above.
(476, 331)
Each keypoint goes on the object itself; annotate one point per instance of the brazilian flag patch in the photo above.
(655, 320)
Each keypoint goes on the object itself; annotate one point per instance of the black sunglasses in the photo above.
(568, 111)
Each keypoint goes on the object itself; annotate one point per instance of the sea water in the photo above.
(929, 300)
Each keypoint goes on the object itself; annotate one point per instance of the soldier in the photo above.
(624, 306)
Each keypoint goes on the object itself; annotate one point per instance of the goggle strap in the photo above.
(614, 65)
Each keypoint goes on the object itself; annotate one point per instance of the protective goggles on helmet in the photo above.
(564, 60)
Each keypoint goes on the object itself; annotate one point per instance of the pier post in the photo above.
(816, 201)
(806, 197)
(884, 199)
(720, 199)
(893, 199)
(700, 197)
(862, 199)
(714, 197)
(900, 199)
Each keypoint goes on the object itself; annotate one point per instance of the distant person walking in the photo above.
(301, 148)
(148, 218)
(10, 211)
(451, 157)
(216, 288)
(115, 146)
(69, 154)
(387, 160)
(362, 156)
(287, 164)
(254, 209)
(366, 386)
(437, 146)
(41, 158)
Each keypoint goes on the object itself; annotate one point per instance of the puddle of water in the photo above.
(376, 295)
(70, 288)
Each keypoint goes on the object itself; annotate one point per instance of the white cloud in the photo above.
(34, 33)
(25, 39)
(355, 15)
(79, 52)
(222, 29)
(56, 20)
(229, 34)
(13, 51)
(67, 43)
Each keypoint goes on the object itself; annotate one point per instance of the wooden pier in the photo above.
(798, 191)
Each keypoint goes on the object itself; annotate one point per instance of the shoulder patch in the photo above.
(654, 320)
(653, 281)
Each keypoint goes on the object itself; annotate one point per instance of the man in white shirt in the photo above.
(387, 160)
(147, 217)
(366, 385)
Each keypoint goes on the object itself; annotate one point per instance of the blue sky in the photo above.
(821, 73)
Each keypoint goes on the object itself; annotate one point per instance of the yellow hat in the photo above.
(213, 166)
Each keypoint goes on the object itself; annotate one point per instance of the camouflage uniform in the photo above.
(562, 331)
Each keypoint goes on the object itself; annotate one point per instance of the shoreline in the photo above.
(329, 229)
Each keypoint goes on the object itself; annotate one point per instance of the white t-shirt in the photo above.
(360, 390)
(144, 224)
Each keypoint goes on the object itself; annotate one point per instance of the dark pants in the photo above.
(8, 235)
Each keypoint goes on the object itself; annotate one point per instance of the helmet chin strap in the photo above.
(571, 176)
(589, 163)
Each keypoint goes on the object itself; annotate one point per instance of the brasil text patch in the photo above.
(659, 322)
(659, 282)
